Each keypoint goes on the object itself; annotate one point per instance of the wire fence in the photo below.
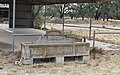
(94, 33)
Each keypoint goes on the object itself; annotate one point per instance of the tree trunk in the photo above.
(107, 19)
(97, 15)
(71, 17)
(61, 15)
(103, 17)
(83, 18)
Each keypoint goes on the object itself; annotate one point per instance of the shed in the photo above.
(4, 12)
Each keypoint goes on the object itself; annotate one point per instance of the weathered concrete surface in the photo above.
(53, 47)
(60, 59)
(6, 36)
(57, 50)
(104, 46)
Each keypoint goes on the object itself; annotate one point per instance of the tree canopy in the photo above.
(100, 10)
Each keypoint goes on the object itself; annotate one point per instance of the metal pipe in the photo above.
(27, 35)
(13, 39)
(107, 33)
(105, 28)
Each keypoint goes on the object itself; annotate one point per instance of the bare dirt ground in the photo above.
(5, 45)
(101, 63)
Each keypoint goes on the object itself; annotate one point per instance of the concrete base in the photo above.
(60, 59)
(86, 58)
(28, 62)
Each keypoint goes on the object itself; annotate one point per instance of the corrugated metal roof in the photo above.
(42, 2)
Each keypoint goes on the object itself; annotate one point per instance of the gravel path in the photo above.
(6, 36)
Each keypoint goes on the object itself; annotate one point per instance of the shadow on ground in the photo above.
(5, 45)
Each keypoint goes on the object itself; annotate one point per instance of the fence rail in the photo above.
(76, 26)
(90, 29)
(105, 28)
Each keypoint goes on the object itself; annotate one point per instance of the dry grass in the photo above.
(86, 21)
(101, 63)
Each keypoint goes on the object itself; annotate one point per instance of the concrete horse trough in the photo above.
(54, 45)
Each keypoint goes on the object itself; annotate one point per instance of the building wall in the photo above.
(4, 12)
(23, 16)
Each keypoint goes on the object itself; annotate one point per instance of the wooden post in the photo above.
(90, 29)
(94, 39)
(63, 22)
(45, 18)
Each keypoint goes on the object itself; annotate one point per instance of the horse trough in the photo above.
(54, 45)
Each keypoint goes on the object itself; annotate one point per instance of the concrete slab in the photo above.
(6, 35)
(104, 46)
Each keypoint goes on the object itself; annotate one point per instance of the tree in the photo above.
(81, 9)
(98, 11)
(38, 16)
(61, 9)
(72, 10)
